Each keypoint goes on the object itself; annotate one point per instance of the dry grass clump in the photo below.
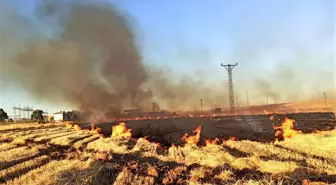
(89, 173)
(225, 175)
(48, 137)
(83, 142)
(22, 133)
(22, 139)
(322, 165)
(319, 144)
(264, 150)
(246, 162)
(6, 146)
(126, 177)
(212, 156)
(17, 170)
(109, 145)
(69, 139)
(277, 167)
(14, 156)
(144, 145)
(262, 181)
(177, 175)
(18, 126)
(56, 172)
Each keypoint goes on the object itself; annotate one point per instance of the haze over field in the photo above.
(108, 56)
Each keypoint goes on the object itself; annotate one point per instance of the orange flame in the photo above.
(287, 129)
(77, 128)
(209, 142)
(266, 112)
(152, 172)
(192, 140)
(121, 131)
(95, 130)
(230, 139)
(68, 125)
(233, 138)
(316, 131)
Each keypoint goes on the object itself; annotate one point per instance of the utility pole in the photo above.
(325, 99)
(266, 99)
(194, 108)
(20, 112)
(247, 100)
(229, 68)
(237, 101)
(201, 105)
(14, 112)
(153, 106)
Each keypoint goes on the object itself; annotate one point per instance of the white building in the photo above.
(58, 116)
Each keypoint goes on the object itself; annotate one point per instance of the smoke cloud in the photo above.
(91, 60)
(87, 54)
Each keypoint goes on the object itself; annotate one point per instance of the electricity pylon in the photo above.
(229, 68)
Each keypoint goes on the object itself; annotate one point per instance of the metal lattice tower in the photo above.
(229, 68)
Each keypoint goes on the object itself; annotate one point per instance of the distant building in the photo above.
(59, 116)
(217, 110)
(67, 116)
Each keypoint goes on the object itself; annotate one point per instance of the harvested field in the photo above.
(244, 153)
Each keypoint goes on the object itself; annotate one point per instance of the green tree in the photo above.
(37, 115)
(3, 115)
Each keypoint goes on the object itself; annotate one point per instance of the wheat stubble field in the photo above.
(62, 153)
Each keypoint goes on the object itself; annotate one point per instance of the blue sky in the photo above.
(192, 36)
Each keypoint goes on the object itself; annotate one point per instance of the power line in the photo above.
(229, 68)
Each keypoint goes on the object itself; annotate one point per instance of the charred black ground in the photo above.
(250, 127)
